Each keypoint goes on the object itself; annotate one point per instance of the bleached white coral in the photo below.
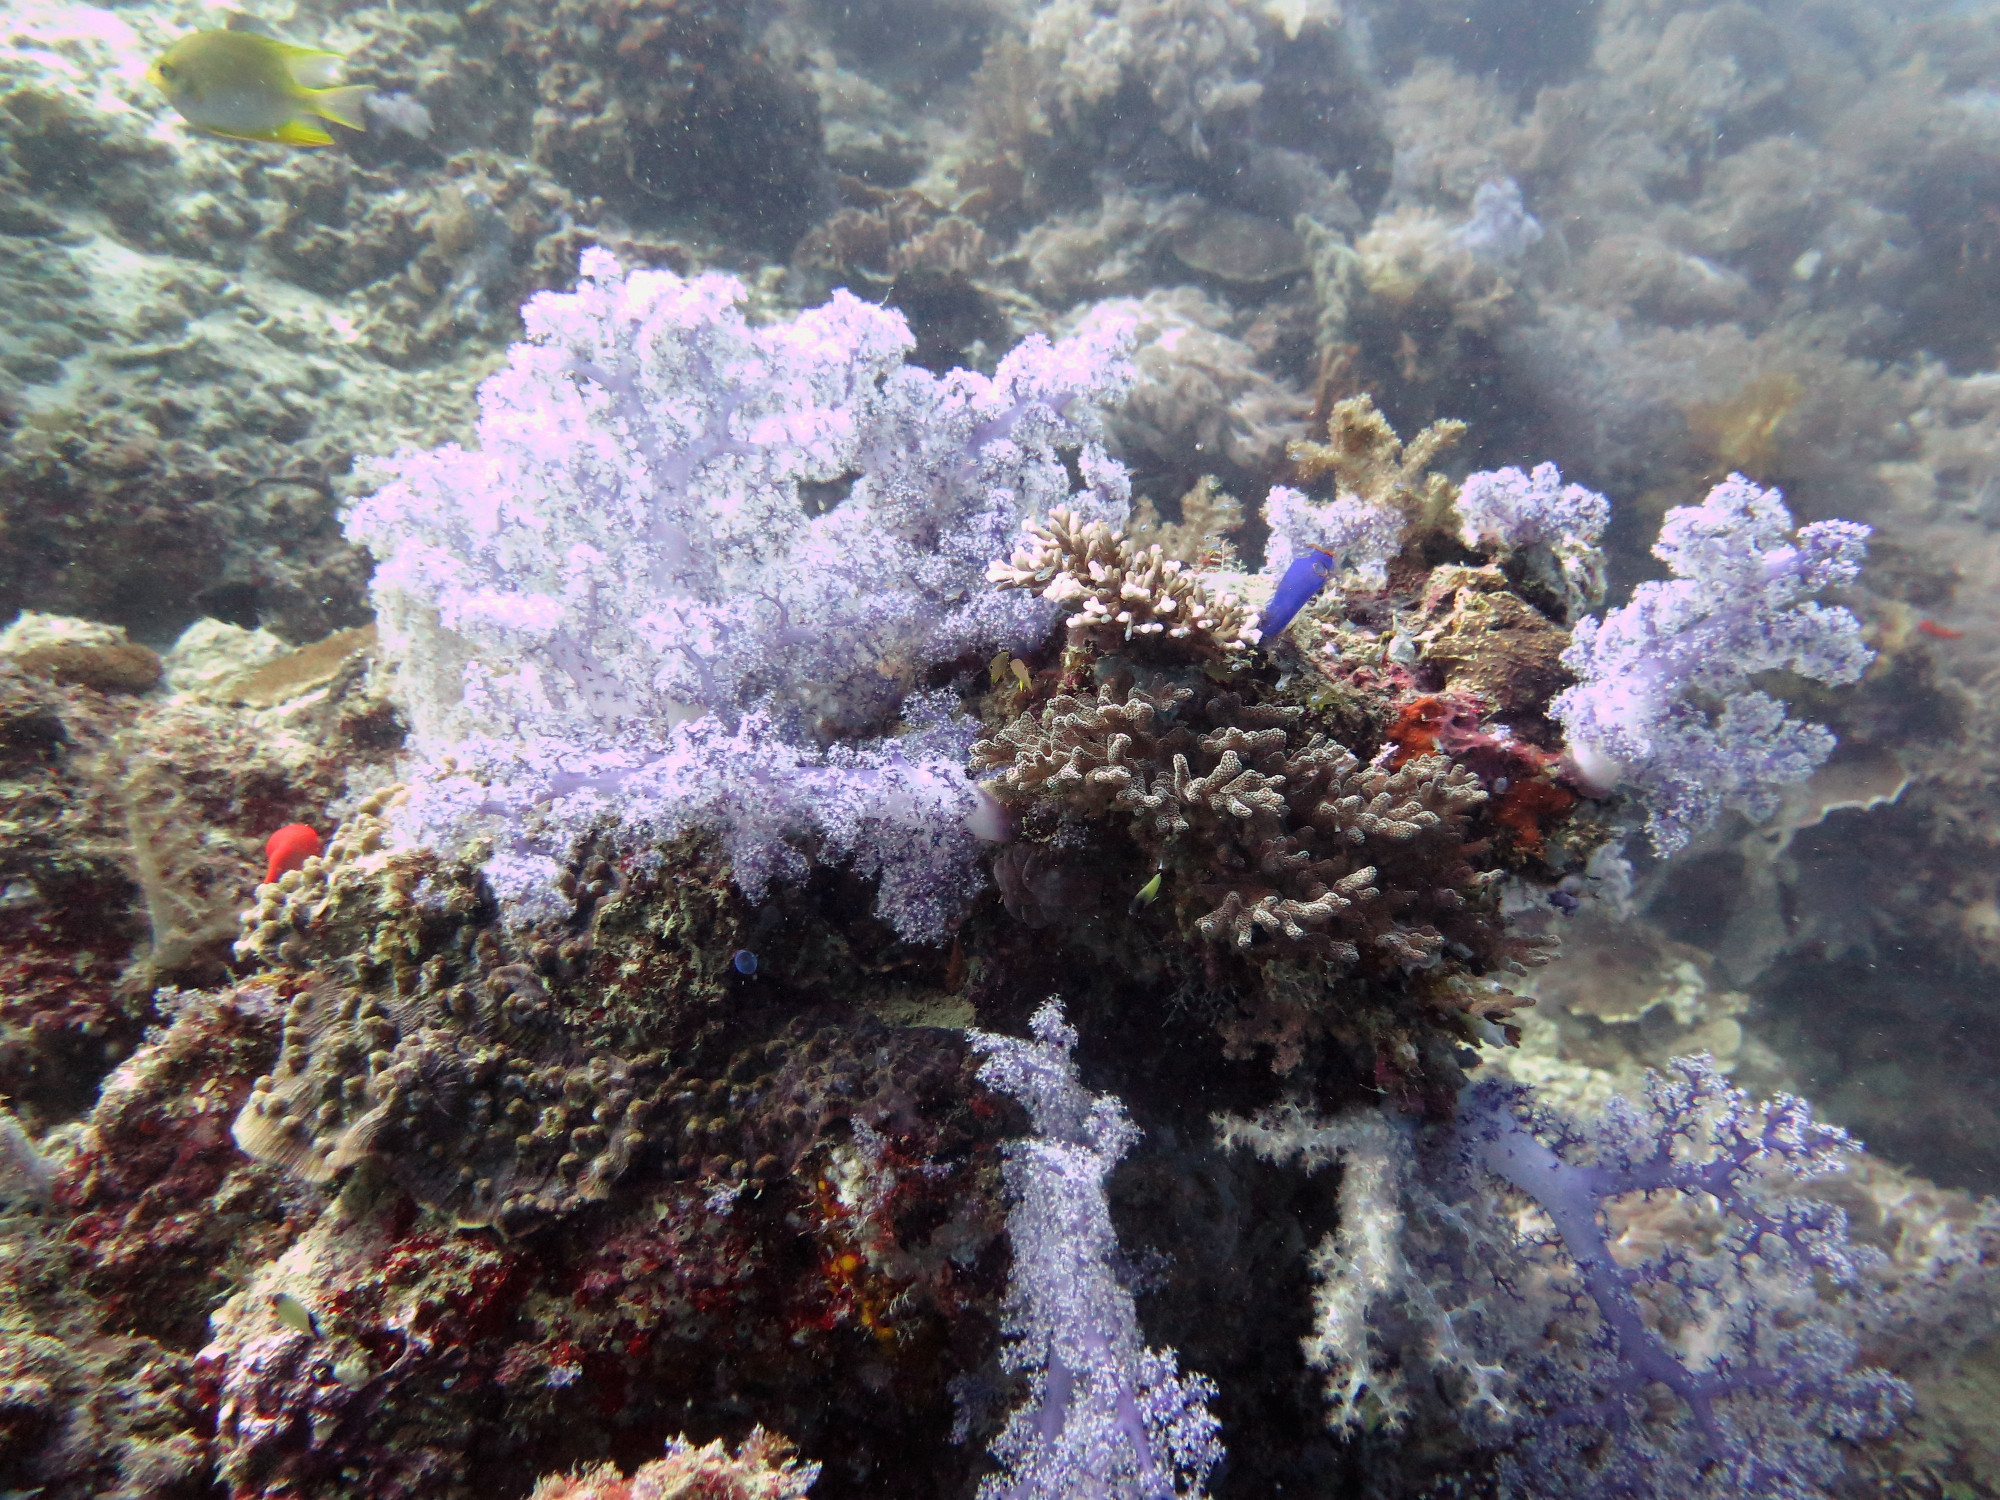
(693, 570)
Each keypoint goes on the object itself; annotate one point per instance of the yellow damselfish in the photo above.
(252, 87)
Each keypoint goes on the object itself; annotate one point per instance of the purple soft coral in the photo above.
(1759, 1361)
(1665, 703)
(694, 569)
(1108, 1419)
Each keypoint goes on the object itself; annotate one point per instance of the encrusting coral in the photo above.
(503, 1075)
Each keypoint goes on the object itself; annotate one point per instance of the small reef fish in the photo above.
(1303, 579)
(250, 87)
(295, 1315)
(1148, 894)
(288, 848)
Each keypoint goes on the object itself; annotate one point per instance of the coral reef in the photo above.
(809, 1186)
(1333, 862)
(606, 1093)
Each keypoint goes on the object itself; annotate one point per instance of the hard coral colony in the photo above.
(824, 938)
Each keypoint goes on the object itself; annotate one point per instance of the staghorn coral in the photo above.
(1275, 836)
(1118, 595)
(1384, 491)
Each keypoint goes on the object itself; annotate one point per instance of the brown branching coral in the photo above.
(1366, 458)
(1117, 594)
(1280, 839)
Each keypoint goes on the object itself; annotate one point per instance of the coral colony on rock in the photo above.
(928, 750)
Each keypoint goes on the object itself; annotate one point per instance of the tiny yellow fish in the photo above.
(251, 87)
(1148, 894)
(295, 1315)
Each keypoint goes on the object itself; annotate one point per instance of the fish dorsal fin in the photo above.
(241, 21)
(311, 67)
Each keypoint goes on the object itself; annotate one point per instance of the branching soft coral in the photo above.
(1107, 1418)
(1708, 1350)
(695, 569)
(1665, 702)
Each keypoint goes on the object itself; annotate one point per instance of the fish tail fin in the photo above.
(343, 106)
(301, 133)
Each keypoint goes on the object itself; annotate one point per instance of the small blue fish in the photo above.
(744, 961)
(1302, 581)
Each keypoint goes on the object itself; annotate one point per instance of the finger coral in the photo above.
(762, 1468)
(1287, 841)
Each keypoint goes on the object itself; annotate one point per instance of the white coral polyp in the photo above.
(632, 604)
